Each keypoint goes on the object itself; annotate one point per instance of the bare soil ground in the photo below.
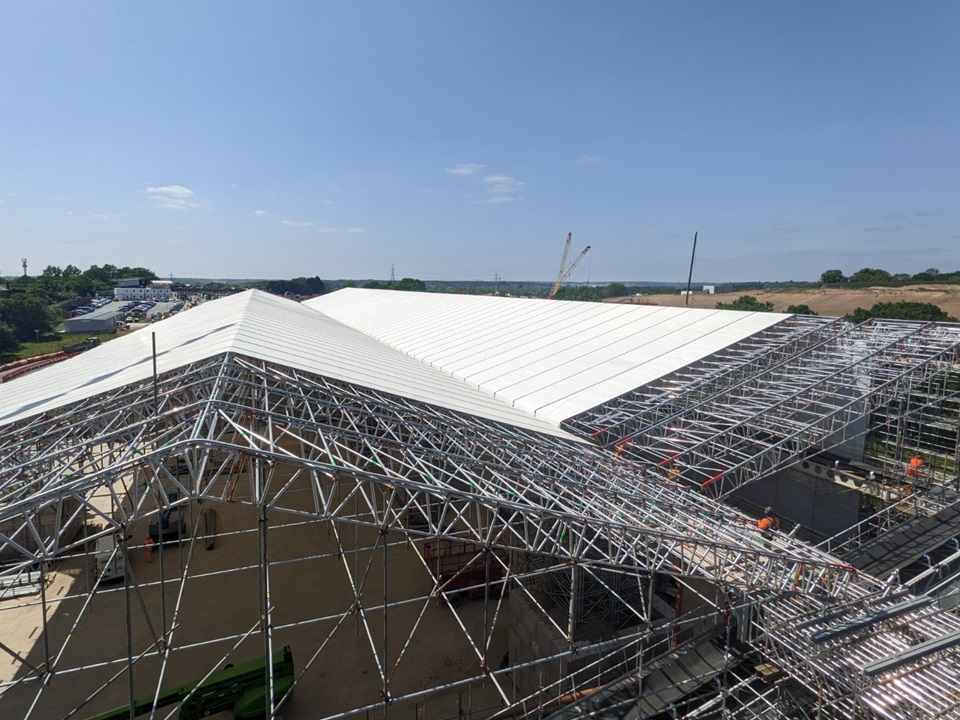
(830, 302)
(311, 600)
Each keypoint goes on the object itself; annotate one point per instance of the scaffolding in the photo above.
(784, 395)
(563, 531)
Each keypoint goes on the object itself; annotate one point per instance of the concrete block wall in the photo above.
(530, 636)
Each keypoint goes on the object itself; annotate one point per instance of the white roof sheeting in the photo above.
(261, 326)
(524, 362)
(548, 358)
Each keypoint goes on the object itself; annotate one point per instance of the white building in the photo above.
(156, 290)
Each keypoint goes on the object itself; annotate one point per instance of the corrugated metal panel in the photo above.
(549, 358)
(264, 327)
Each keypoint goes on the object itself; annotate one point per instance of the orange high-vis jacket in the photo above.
(768, 523)
(915, 465)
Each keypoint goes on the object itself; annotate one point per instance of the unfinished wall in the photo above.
(807, 497)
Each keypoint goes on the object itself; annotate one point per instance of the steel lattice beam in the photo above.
(262, 432)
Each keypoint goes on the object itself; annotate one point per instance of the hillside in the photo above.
(832, 302)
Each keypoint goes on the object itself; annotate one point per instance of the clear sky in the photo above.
(459, 140)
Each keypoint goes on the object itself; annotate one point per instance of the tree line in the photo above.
(32, 313)
(875, 276)
(296, 286)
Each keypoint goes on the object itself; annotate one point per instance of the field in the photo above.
(832, 302)
(52, 343)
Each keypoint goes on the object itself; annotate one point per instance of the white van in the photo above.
(103, 566)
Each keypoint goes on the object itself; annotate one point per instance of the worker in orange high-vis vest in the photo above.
(916, 464)
(769, 522)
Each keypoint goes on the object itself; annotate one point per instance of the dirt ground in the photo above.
(311, 598)
(828, 302)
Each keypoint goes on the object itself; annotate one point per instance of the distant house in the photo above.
(4, 291)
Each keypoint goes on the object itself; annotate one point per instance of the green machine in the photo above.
(241, 688)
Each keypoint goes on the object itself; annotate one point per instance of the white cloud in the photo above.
(341, 231)
(502, 188)
(104, 216)
(178, 191)
(260, 213)
(588, 159)
(296, 223)
(503, 184)
(466, 169)
(497, 200)
(172, 197)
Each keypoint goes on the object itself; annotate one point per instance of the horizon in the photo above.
(453, 141)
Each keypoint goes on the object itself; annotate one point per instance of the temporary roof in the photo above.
(550, 359)
(261, 326)
(525, 362)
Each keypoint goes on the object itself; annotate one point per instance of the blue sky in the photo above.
(459, 140)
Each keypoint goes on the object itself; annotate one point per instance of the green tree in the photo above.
(50, 285)
(8, 338)
(870, 275)
(100, 279)
(748, 303)
(615, 290)
(831, 277)
(859, 315)
(580, 294)
(408, 284)
(802, 309)
(27, 315)
(296, 286)
(902, 311)
(133, 272)
(928, 275)
(375, 285)
(100, 274)
(86, 286)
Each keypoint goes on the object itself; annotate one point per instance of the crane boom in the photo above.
(566, 273)
(563, 264)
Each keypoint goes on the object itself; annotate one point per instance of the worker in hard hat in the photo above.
(769, 522)
(915, 465)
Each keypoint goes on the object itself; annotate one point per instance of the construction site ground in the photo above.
(309, 596)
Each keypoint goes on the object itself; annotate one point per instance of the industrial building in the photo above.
(447, 506)
(101, 320)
